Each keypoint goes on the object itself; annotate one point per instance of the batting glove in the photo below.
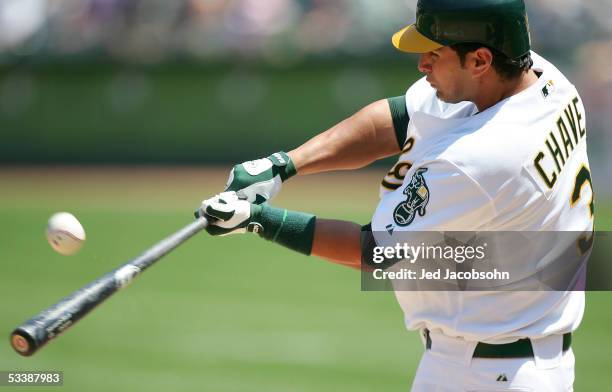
(260, 180)
(229, 214)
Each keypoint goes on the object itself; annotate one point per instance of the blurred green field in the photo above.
(223, 314)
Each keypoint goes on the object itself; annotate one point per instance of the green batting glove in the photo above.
(260, 180)
(229, 214)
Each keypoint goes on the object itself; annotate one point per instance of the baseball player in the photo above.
(492, 138)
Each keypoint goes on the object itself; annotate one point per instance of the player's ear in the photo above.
(480, 61)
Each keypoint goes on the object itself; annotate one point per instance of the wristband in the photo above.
(291, 229)
(284, 164)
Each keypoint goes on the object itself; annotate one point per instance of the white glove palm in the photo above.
(228, 214)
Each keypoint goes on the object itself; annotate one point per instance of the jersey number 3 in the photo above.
(584, 175)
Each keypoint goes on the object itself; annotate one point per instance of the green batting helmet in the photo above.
(498, 24)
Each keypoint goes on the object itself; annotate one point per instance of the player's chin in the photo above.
(446, 98)
(441, 96)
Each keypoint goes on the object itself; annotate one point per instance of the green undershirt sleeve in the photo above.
(400, 116)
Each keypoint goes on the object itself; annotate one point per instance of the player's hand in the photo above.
(260, 180)
(229, 214)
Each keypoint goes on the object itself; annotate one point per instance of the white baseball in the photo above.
(65, 233)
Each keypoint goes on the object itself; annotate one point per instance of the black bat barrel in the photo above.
(36, 332)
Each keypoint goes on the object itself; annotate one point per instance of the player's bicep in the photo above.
(380, 121)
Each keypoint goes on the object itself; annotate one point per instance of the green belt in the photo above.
(520, 349)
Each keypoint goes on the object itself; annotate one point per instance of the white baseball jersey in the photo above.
(520, 165)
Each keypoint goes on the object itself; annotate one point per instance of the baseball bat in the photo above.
(51, 322)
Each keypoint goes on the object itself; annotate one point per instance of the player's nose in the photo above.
(425, 63)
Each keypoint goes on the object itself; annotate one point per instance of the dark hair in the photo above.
(506, 67)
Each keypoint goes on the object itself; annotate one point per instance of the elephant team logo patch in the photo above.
(417, 194)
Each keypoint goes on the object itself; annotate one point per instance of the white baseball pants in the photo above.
(449, 366)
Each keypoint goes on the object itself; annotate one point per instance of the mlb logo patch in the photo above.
(548, 89)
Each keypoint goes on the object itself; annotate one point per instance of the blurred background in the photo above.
(155, 81)
(129, 112)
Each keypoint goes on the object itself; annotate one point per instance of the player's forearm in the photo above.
(338, 242)
(356, 142)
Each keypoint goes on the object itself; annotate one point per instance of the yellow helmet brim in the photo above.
(410, 40)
